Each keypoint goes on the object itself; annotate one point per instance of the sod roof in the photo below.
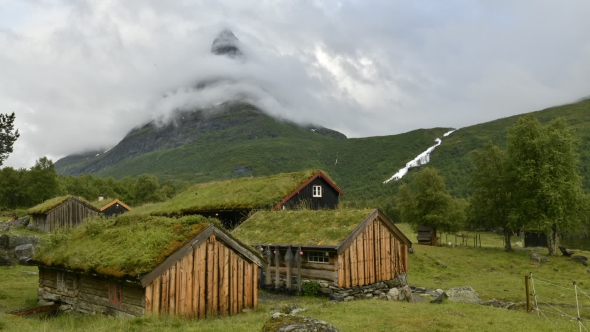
(300, 227)
(50, 204)
(100, 204)
(121, 246)
(242, 193)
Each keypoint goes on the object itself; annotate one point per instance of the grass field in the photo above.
(492, 272)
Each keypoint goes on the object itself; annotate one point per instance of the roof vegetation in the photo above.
(49, 204)
(242, 193)
(127, 245)
(300, 227)
(100, 204)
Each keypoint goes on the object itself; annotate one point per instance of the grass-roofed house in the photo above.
(64, 211)
(112, 207)
(135, 265)
(231, 201)
(347, 248)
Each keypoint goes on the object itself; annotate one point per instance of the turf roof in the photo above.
(99, 204)
(49, 204)
(122, 246)
(242, 193)
(300, 227)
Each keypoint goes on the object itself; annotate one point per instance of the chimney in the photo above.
(100, 198)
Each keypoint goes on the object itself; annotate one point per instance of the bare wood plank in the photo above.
(233, 290)
(347, 272)
(165, 292)
(210, 284)
(378, 252)
(195, 275)
(172, 292)
(360, 259)
(156, 297)
(223, 280)
(240, 284)
(202, 280)
(178, 286)
(148, 299)
(182, 308)
(340, 270)
(215, 289)
(248, 285)
(371, 253)
(255, 287)
(405, 257)
(353, 265)
(189, 284)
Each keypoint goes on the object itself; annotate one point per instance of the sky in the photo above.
(80, 74)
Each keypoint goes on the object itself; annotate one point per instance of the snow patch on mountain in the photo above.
(422, 159)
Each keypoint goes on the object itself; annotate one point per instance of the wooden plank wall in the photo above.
(213, 280)
(68, 214)
(375, 255)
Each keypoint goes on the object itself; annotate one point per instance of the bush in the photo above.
(310, 288)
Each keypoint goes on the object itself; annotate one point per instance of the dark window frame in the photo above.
(115, 292)
(320, 257)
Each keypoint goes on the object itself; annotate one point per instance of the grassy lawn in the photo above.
(493, 273)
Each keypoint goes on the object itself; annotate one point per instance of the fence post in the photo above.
(277, 263)
(267, 275)
(528, 293)
(289, 263)
(298, 262)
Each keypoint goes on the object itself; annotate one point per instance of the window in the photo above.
(317, 191)
(318, 257)
(61, 281)
(115, 292)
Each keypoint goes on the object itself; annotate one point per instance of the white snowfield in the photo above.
(422, 159)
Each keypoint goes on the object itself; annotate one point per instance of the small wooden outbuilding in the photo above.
(427, 235)
(346, 247)
(112, 207)
(232, 201)
(135, 266)
(64, 211)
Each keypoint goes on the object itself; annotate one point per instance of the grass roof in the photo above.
(49, 204)
(242, 193)
(122, 246)
(100, 204)
(300, 227)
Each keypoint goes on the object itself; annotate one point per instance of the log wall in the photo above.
(213, 280)
(375, 255)
(90, 294)
(68, 214)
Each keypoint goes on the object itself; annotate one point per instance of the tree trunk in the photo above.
(507, 236)
(553, 240)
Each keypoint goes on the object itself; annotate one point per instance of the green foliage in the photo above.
(430, 204)
(310, 288)
(48, 204)
(300, 227)
(7, 135)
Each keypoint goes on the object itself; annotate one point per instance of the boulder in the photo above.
(411, 250)
(394, 293)
(440, 298)
(580, 259)
(24, 251)
(464, 294)
(282, 323)
(405, 293)
(337, 297)
(19, 223)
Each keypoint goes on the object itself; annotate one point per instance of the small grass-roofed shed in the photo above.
(64, 211)
(112, 207)
(135, 265)
(347, 247)
(231, 201)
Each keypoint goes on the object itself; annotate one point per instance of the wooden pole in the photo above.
(267, 275)
(289, 263)
(298, 258)
(526, 287)
(277, 254)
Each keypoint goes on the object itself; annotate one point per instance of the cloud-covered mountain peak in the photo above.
(226, 43)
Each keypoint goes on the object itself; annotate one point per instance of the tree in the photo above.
(430, 204)
(490, 203)
(146, 189)
(42, 181)
(543, 170)
(7, 135)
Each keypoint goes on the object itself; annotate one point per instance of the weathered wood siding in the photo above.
(212, 280)
(375, 255)
(68, 214)
(115, 209)
(329, 199)
(90, 294)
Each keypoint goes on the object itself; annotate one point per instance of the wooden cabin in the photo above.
(112, 207)
(138, 267)
(232, 201)
(64, 211)
(345, 247)
(427, 235)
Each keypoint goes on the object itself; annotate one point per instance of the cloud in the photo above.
(81, 74)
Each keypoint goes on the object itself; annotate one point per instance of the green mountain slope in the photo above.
(452, 157)
(240, 140)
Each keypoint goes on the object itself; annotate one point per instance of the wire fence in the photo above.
(564, 305)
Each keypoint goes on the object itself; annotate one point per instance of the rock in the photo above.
(518, 244)
(4, 240)
(464, 294)
(440, 291)
(411, 250)
(325, 290)
(287, 309)
(324, 284)
(441, 298)
(580, 259)
(405, 293)
(348, 298)
(545, 259)
(19, 223)
(499, 304)
(336, 297)
(24, 251)
(292, 323)
(536, 257)
(394, 293)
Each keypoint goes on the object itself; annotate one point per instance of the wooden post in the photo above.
(298, 258)
(288, 264)
(277, 253)
(526, 287)
(479, 235)
(267, 275)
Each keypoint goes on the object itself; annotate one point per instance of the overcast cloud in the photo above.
(81, 74)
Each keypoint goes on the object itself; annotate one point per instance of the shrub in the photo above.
(310, 288)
